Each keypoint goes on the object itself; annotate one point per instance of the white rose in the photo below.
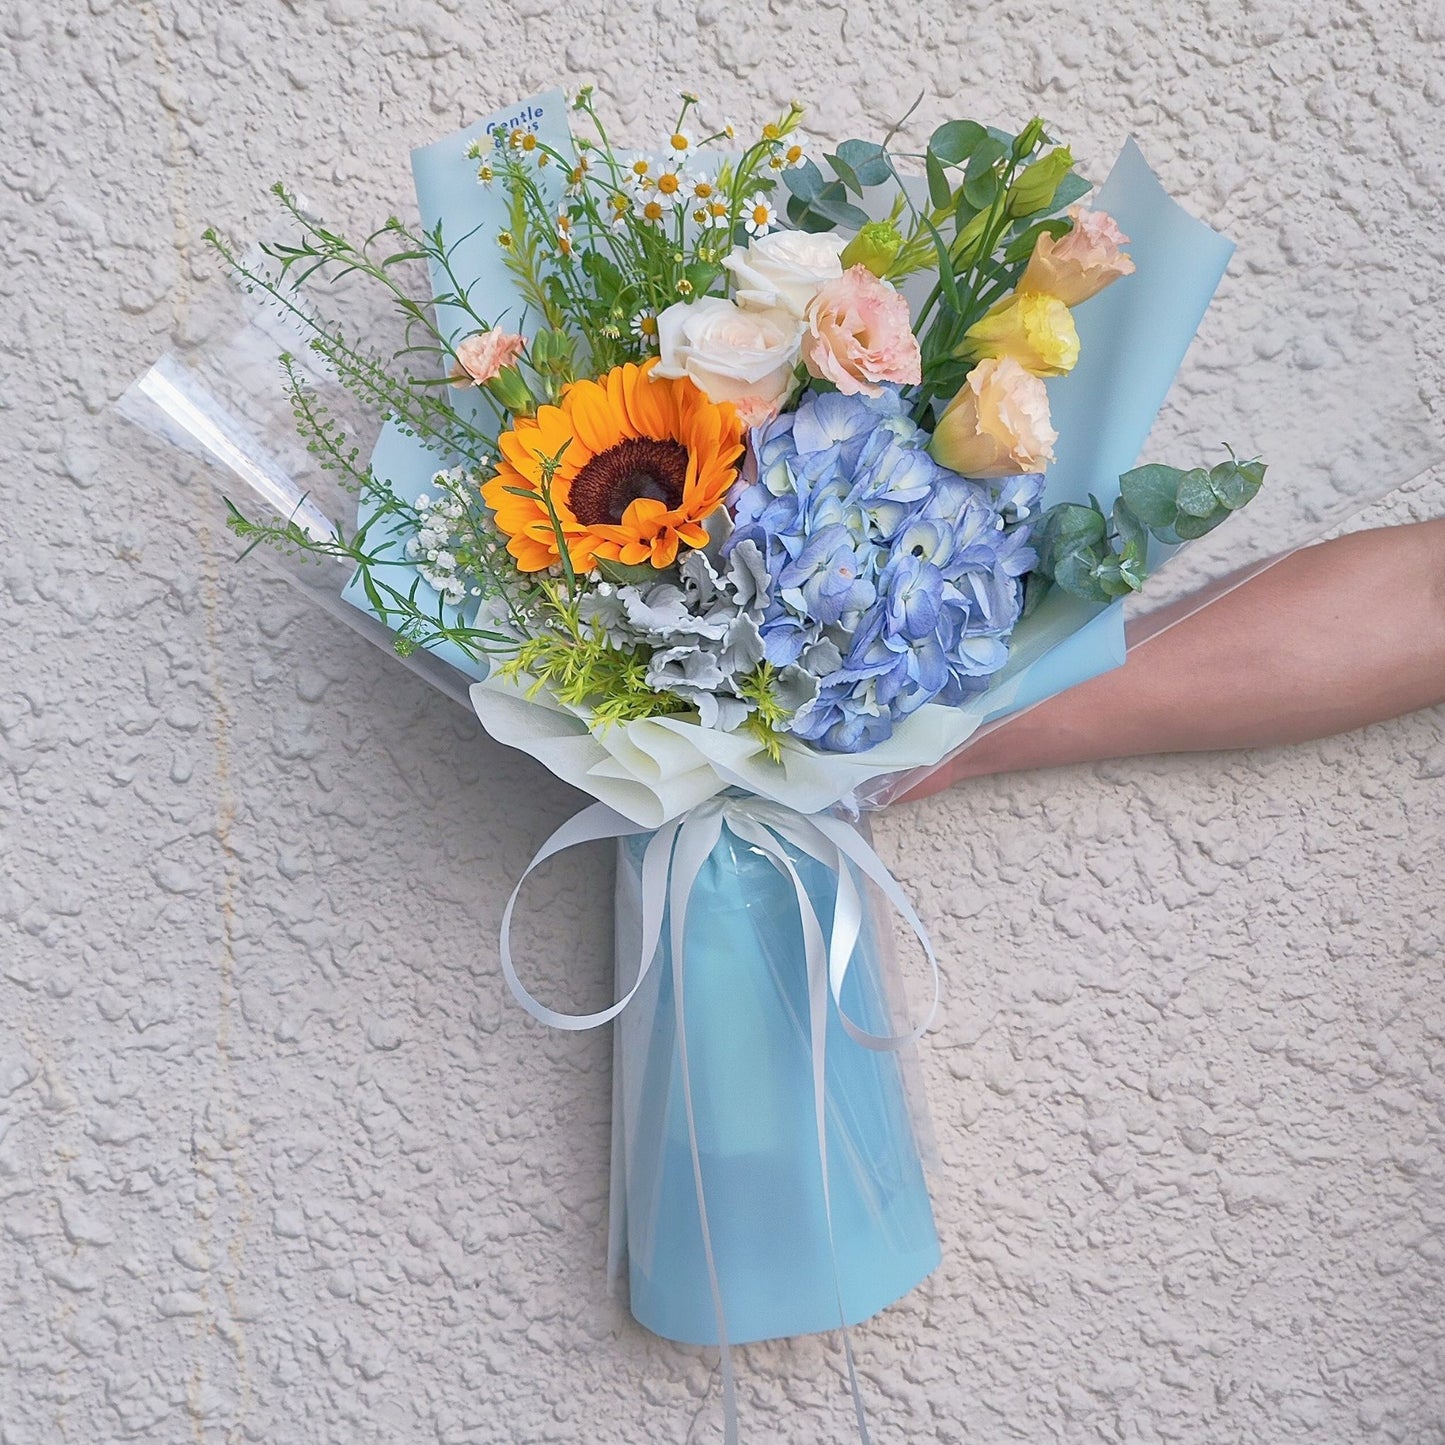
(745, 357)
(784, 269)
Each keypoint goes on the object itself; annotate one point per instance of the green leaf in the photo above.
(946, 282)
(1236, 483)
(964, 213)
(1073, 187)
(1069, 525)
(1253, 473)
(845, 173)
(804, 217)
(939, 190)
(1150, 493)
(1131, 531)
(1076, 574)
(703, 275)
(1228, 485)
(804, 181)
(981, 183)
(1194, 494)
(1189, 527)
(955, 140)
(1109, 574)
(627, 575)
(832, 202)
(866, 159)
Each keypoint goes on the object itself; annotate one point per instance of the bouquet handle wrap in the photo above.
(790, 1258)
(767, 1177)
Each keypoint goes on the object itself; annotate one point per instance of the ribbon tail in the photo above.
(817, 957)
(695, 842)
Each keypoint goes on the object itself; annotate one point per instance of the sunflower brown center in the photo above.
(638, 467)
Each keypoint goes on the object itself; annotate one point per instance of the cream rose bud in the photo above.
(997, 425)
(1080, 263)
(745, 357)
(784, 269)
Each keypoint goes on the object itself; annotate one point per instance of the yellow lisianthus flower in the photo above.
(1034, 329)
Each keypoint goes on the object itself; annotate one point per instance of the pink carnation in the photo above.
(479, 358)
(858, 334)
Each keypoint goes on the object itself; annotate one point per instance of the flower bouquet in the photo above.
(738, 488)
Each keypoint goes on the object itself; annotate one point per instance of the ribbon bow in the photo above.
(671, 863)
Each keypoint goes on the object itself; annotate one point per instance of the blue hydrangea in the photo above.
(894, 582)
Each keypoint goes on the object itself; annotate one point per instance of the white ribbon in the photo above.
(671, 863)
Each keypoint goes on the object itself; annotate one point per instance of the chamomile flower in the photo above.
(790, 155)
(577, 176)
(486, 174)
(564, 232)
(644, 328)
(639, 172)
(669, 185)
(759, 217)
(700, 189)
(679, 143)
(621, 206)
(524, 141)
(651, 211)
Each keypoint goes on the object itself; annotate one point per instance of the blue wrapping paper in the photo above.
(750, 1062)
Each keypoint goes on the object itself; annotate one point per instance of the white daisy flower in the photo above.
(638, 171)
(759, 217)
(644, 328)
(651, 211)
(670, 186)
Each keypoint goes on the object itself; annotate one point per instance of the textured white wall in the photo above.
(278, 1161)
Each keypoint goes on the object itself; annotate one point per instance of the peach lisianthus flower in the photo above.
(858, 335)
(1080, 263)
(997, 425)
(479, 358)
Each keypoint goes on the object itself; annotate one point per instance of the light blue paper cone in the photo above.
(751, 1070)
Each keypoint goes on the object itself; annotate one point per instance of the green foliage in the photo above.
(1099, 558)
(991, 195)
(1178, 506)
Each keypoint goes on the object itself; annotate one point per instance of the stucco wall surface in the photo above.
(280, 1162)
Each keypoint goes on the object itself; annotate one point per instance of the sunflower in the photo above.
(640, 464)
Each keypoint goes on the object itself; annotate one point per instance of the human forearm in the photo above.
(1331, 638)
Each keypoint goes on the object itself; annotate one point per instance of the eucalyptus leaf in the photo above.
(1071, 525)
(867, 160)
(845, 173)
(1072, 188)
(1150, 494)
(805, 181)
(955, 140)
(832, 202)
(1076, 573)
(1194, 494)
(1131, 531)
(1228, 484)
(804, 218)
(1189, 527)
